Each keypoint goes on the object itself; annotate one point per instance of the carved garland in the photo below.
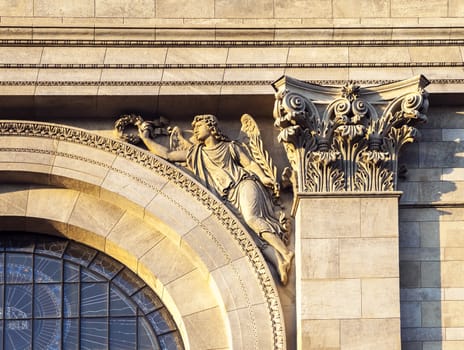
(165, 169)
(350, 147)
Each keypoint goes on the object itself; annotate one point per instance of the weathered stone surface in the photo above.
(302, 9)
(185, 9)
(431, 314)
(321, 334)
(421, 334)
(169, 269)
(317, 55)
(431, 274)
(13, 199)
(410, 274)
(100, 216)
(319, 258)
(452, 274)
(63, 8)
(124, 8)
(411, 314)
(368, 334)
(452, 313)
(410, 234)
(244, 9)
(362, 8)
(432, 8)
(380, 298)
(368, 257)
(420, 294)
(345, 210)
(213, 336)
(50, 203)
(379, 217)
(331, 299)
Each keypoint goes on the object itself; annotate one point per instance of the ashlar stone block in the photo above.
(185, 9)
(124, 8)
(20, 54)
(244, 9)
(69, 55)
(368, 257)
(211, 336)
(380, 54)
(318, 55)
(174, 263)
(99, 216)
(196, 55)
(64, 8)
(368, 334)
(361, 8)
(257, 55)
(51, 203)
(321, 334)
(17, 7)
(343, 221)
(192, 293)
(380, 298)
(13, 200)
(452, 313)
(452, 274)
(319, 258)
(431, 314)
(411, 314)
(331, 299)
(379, 217)
(430, 274)
(418, 8)
(454, 333)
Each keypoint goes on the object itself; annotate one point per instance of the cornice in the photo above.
(201, 82)
(231, 65)
(231, 43)
(154, 29)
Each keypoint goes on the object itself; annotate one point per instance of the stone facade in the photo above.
(83, 64)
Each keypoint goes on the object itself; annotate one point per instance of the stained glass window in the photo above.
(59, 294)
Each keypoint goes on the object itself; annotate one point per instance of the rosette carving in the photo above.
(347, 139)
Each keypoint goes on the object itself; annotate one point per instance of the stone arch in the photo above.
(154, 218)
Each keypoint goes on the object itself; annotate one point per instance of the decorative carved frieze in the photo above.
(348, 138)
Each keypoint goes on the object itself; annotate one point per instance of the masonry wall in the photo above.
(431, 235)
(179, 58)
(317, 12)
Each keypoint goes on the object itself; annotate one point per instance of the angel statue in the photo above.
(238, 172)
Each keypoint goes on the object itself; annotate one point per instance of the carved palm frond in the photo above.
(250, 136)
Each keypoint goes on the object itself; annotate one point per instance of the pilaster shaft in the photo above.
(343, 145)
(347, 271)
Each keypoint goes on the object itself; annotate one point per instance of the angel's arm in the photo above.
(252, 166)
(160, 150)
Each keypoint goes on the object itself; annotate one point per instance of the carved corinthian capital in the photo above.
(348, 138)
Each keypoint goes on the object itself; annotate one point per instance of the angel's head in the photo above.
(210, 124)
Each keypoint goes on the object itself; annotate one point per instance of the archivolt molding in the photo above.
(174, 175)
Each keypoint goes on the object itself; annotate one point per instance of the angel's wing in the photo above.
(251, 137)
(177, 142)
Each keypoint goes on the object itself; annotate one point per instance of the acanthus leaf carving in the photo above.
(353, 145)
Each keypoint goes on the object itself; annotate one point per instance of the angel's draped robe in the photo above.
(220, 169)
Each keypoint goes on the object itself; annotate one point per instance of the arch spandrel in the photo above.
(250, 313)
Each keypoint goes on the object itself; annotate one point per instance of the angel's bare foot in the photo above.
(288, 258)
(283, 268)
